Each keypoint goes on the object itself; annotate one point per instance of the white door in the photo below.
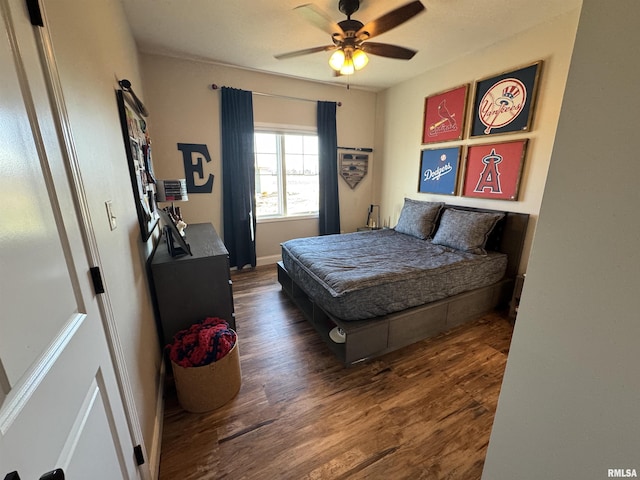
(60, 405)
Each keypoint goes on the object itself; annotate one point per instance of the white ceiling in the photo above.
(248, 33)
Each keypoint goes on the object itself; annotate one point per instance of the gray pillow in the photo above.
(418, 218)
(464, 230)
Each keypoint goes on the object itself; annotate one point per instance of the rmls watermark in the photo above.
(622, 473)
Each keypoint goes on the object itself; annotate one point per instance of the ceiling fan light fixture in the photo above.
(347, 68)
(351, 37)
(336, 61)
(360, 59)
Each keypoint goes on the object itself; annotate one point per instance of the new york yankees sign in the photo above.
(504, 103)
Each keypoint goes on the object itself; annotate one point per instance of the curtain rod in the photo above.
(126, 86)
(216, 87)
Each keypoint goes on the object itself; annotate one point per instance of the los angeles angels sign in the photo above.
(504, 103)
(494, 170)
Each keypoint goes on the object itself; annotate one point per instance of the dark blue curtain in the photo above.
(329, 209)
(238, 176)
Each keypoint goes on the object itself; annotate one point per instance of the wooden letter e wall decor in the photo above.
(193, 166)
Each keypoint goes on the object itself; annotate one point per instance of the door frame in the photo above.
(78, 192)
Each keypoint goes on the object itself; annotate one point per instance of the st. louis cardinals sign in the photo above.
(444, 115)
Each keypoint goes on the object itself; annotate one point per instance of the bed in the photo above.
(440, 266)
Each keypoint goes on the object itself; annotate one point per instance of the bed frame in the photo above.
(366, 339)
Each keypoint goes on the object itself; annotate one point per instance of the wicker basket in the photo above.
(205, 388)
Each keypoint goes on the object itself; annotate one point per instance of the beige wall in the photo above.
(184, 109)
(400, 129)
(568, 406)
(93, 49)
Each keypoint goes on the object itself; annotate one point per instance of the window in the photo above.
(286, 174)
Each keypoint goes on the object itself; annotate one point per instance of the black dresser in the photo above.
(190, 288)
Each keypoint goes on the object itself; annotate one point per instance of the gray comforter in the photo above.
(362, 275)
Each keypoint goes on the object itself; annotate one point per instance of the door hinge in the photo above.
(57, 474)
(137, 451)
(35, 14)
(96, 276)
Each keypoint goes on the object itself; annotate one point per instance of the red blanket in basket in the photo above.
(202, 343)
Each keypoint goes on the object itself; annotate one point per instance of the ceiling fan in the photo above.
(351, 37)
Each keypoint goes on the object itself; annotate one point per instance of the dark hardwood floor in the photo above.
(424, 412)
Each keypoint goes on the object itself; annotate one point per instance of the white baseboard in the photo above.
(156, 444)
(269, 260)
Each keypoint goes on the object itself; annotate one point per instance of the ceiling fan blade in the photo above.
(306, 51)
(386, 50)
(390, 20)
(320, 19)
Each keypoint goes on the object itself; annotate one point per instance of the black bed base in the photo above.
(366, 339)
(371, 338)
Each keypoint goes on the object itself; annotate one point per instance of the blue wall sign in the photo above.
(439, 171)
